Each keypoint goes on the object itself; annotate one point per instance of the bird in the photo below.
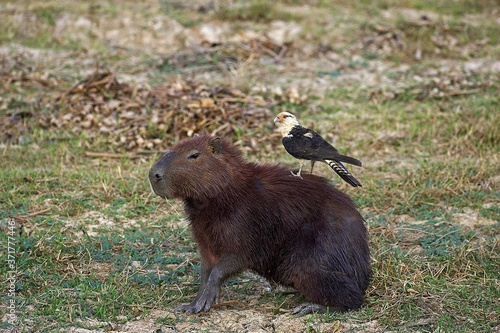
(305, 144)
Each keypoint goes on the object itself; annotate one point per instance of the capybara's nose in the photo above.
(158, 174)
(155, 175)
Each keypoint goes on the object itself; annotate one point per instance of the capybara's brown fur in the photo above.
(300, 232)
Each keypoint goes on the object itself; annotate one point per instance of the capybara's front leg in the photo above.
(205, 269)
(212, 279)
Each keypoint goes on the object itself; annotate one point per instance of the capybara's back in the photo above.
(301, 232)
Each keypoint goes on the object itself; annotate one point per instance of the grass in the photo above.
(255, 11)
(70, 268)
(95, 249)
(95, 276)
(69, 265)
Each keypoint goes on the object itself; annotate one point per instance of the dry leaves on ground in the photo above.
(130, 116)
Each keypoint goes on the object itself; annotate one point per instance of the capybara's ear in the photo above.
(215, 145)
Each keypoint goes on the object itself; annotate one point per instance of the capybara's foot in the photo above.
(202, 302)
(306, 308)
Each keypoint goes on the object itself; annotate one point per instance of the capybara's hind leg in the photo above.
(334, 290)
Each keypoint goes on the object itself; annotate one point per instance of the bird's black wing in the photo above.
(306, 144)
(303, 143)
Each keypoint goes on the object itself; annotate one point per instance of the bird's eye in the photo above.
(194, 156)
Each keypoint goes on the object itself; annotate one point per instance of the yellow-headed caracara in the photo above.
(305, 144)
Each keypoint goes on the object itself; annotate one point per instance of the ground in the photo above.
(93, 92)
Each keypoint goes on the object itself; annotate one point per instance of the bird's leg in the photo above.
(312, 165)
(298, 173)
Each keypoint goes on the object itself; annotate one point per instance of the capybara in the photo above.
(299, 232)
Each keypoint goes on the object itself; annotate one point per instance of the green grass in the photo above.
(69, 265)
(254, 10)
(454, 7)
(67, 276)
(67, 273)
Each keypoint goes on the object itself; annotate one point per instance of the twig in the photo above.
(151, 152)
(225, 303)
(32, 214)
(109, 155)
(461, 92)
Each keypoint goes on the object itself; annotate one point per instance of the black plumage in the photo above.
(305, 144)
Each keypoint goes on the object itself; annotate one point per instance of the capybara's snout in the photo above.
(158, 176)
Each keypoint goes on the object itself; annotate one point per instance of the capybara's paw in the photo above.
(307, 308)
(201, 302)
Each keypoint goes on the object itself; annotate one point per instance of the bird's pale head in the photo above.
(285, 122)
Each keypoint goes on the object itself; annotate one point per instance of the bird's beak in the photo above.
(278, 118)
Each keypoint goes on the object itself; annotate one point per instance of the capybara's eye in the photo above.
(194, 156)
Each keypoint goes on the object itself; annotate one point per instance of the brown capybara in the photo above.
(300, 232)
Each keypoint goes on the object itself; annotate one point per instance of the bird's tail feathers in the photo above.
(341, 170)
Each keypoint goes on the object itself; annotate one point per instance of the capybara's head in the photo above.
(195, 168)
